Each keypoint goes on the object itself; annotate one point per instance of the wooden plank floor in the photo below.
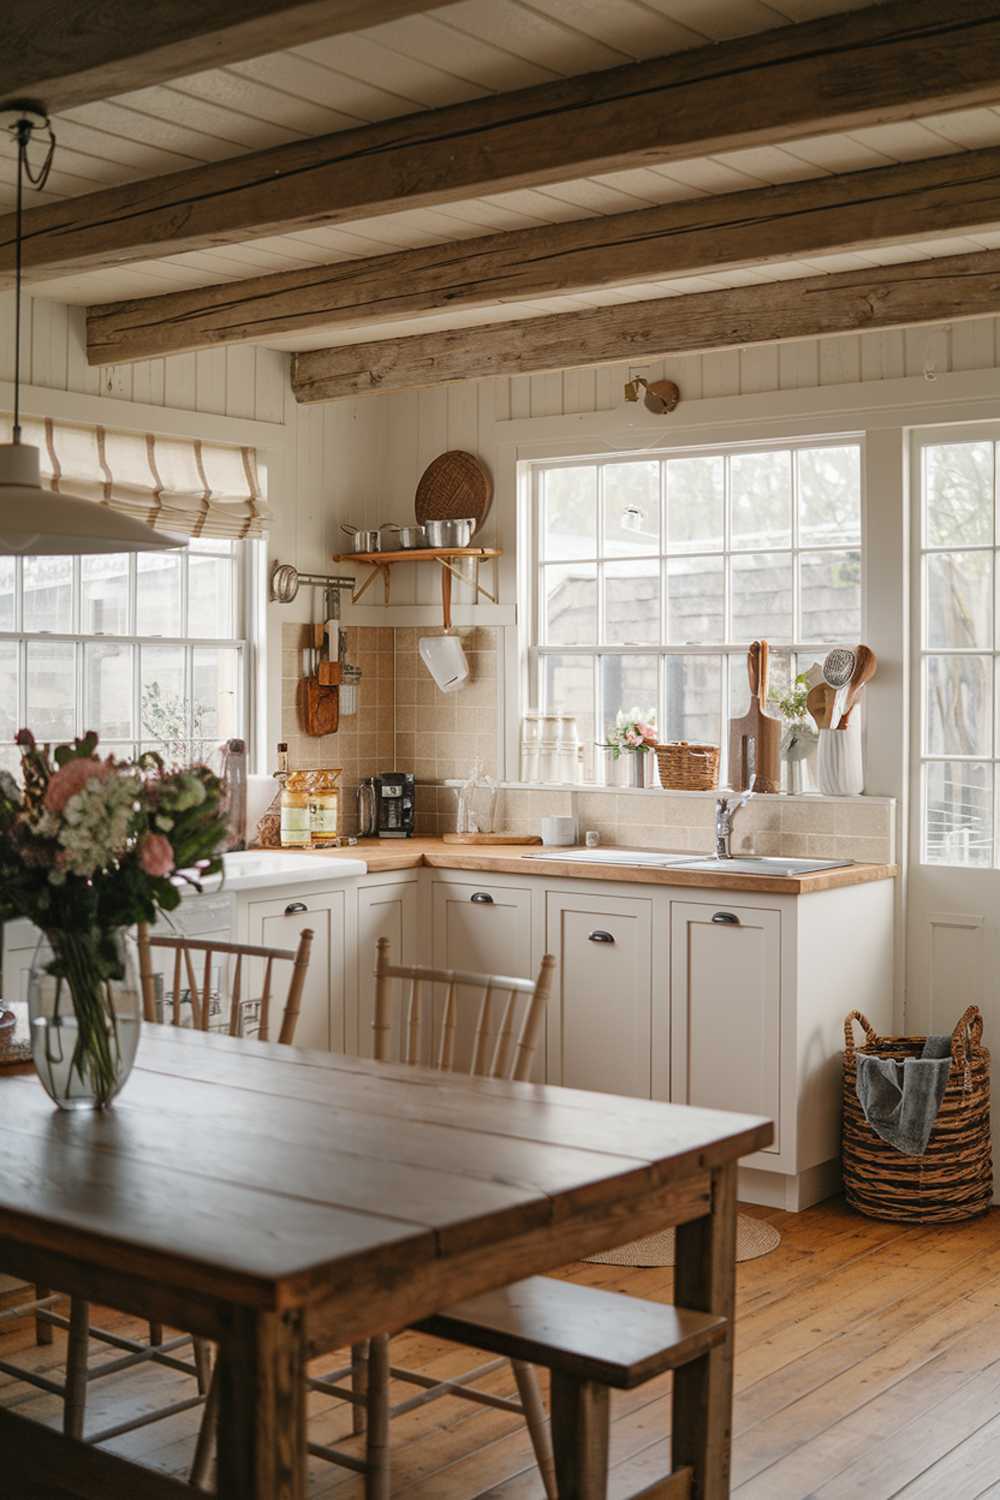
(867, 1364)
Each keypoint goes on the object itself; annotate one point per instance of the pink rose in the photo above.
(72, 778)
(156, 854)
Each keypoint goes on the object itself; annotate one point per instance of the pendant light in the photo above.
(33, 520)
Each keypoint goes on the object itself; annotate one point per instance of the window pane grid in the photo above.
(959, 686)
(92, 669)
(713, 582)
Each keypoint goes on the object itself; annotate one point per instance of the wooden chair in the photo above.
(498, 1048)
(79, 1374)
(592, 1341)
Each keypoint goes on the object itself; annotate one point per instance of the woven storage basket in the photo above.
(954, 1177)
(687, 767)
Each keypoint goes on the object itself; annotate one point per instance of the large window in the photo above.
(653, 575)
(959, 536)
(148, 649)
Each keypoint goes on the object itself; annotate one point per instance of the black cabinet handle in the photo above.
(726, 919)
(481, 898)
(600, 936)
(295, 906)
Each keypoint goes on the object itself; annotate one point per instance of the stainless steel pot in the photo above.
(362, 541)
(408, 538)
(449, 533)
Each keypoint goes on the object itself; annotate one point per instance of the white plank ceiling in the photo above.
(462, 51)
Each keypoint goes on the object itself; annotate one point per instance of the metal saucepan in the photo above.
(407, 538)
(362, 541)
(450, 533)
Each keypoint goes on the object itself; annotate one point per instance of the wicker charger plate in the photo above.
(754, 1237)
(454, 485)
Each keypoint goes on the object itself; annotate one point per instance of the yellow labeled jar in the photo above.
(295, 830)
(324, 807)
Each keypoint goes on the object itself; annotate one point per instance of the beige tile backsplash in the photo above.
(404, 722)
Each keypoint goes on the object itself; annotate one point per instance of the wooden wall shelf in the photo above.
(447, 558)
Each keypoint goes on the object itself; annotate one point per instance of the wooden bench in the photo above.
(592, 1342)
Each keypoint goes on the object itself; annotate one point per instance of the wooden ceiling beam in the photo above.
(71, 52)
(927, 291)
(887, 62)
(883, 205)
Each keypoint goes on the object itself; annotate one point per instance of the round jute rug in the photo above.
(754, 1237)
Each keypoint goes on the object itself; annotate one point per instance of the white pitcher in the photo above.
(839, 768)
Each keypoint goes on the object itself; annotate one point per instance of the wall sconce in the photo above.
(661, 396)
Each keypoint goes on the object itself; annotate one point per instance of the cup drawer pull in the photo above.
(600, 936)
(481, 898)
(726, 919)
(295, 906)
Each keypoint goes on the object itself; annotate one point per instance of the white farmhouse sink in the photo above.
(248, 869)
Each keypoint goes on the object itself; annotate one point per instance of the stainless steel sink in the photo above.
(762, 864)
(651, 859)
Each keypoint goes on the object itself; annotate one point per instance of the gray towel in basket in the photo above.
(901, 1100)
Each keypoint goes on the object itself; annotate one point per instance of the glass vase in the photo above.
(84, 1011)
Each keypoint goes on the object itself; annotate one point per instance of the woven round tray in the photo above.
(454, 485)
(954, 1177)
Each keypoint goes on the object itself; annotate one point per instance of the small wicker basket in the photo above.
(954, 1177)
(688, 767)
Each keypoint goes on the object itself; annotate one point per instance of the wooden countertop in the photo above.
(411, 854)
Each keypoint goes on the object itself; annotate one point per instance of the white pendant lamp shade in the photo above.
(40, 522)
(34, 520)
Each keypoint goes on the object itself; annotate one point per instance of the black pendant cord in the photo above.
(24, 129)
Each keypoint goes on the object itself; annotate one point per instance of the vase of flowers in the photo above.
(90, 846)
(799, 737)
(633, 735)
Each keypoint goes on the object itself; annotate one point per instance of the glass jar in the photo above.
(295, 830)
(324, 807)
(84, 1016)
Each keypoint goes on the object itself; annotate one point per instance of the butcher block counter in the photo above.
(517, 859)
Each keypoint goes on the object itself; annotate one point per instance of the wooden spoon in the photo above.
(819, 701)
(865, 667)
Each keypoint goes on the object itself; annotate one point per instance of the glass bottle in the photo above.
(295, 832)
(324, 807)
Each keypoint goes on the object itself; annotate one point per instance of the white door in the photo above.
(389, 911)
(600, 1022)
(725, 1008)
(953, 917)
(279, 924)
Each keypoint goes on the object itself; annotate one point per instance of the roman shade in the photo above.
(181, 486)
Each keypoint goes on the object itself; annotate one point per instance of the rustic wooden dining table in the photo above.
(284, 1202)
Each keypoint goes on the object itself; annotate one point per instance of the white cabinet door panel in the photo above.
(484, 928)
(279, 924)
(726, 1009)
(389, 911)
(601, 1033)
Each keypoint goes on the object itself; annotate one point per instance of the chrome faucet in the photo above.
(725, 814)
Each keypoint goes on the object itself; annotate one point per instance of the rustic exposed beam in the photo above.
(70, 52)
(880, 206)
(927, 291)
(888, 62)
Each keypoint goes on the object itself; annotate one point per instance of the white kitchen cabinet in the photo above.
(484, 927)
(279, 924)
(391, 909)
(725, 1011)
(600, 1023)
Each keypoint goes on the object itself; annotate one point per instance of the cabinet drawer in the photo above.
(725, 974)
(279, 924)
(601, 1024)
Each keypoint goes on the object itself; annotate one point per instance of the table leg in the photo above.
(262, 1435)
(705, 1279)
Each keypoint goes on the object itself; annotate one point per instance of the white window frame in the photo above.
(247, 561)
(921, 439)
(530, 547)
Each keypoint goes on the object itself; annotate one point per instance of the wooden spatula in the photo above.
(865, 667)
(819, 701)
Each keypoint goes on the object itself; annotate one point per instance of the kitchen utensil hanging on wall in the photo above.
(755, 738)
(453, 486)
(319, 691)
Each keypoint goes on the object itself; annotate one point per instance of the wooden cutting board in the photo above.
(490, 838)
(755, 738)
